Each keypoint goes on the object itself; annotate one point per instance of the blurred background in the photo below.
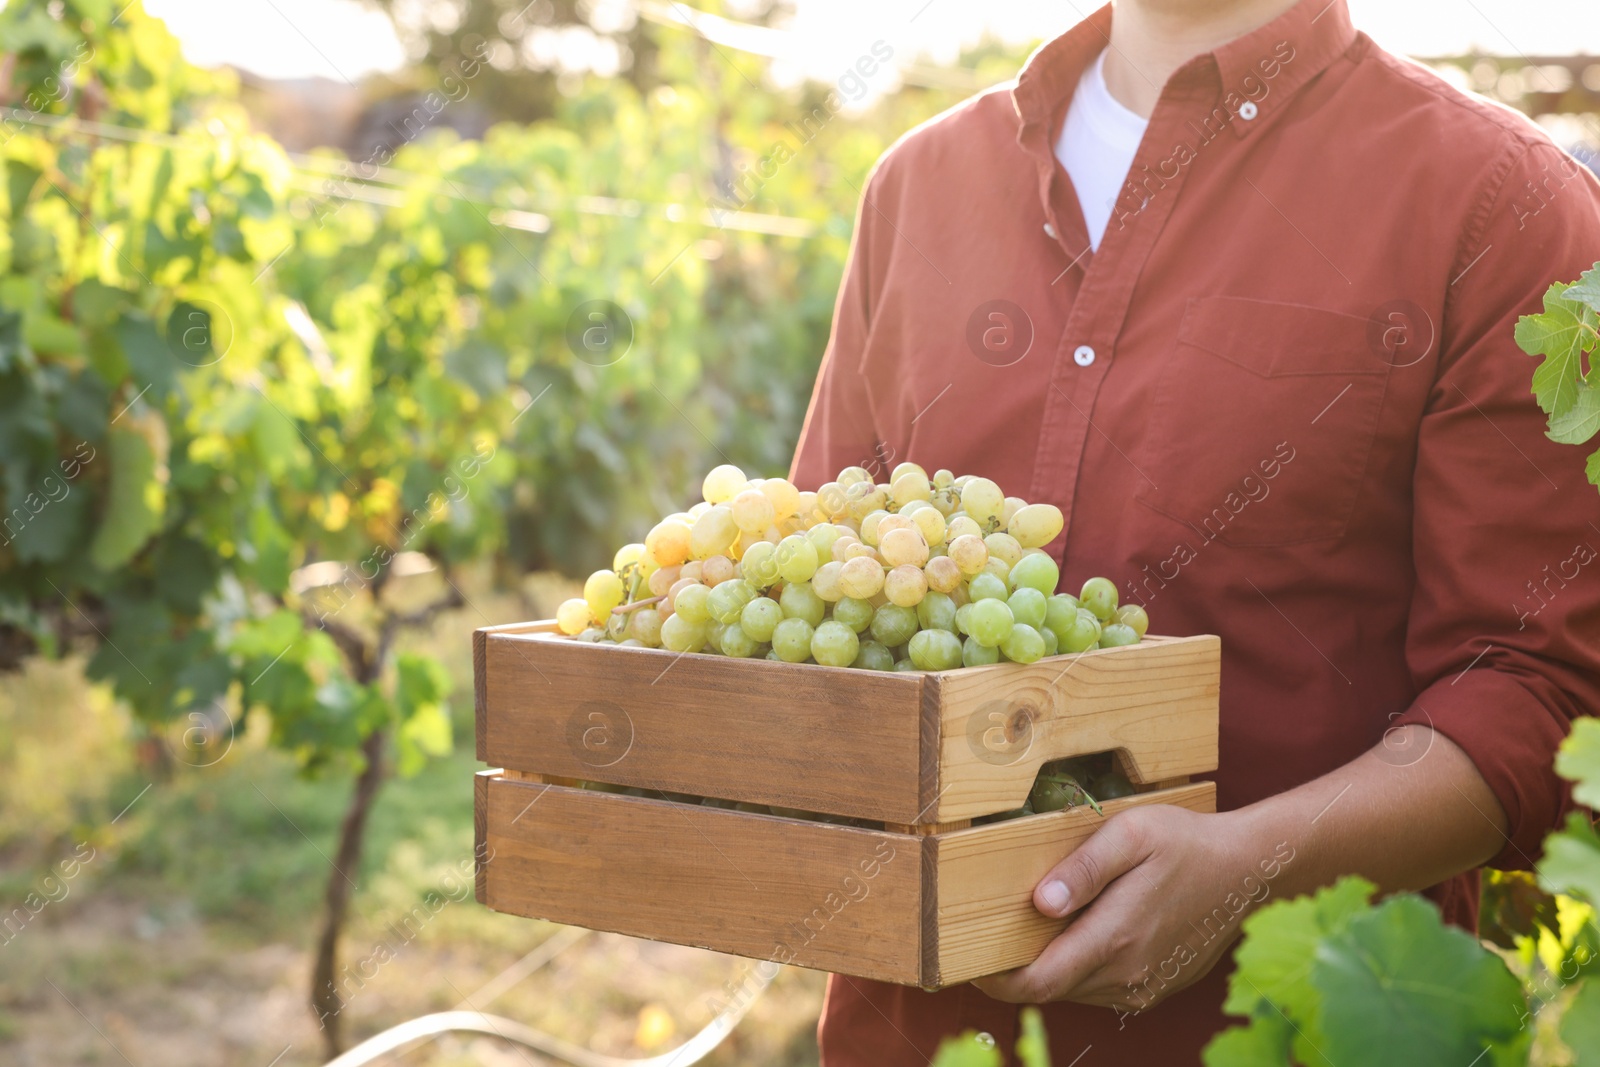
(294, 394)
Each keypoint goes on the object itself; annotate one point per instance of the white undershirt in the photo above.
(1098, 142)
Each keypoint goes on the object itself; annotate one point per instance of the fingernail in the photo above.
(1055, 896)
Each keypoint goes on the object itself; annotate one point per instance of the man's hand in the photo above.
(1159, 893)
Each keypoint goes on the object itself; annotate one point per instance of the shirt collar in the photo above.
(1313, 32)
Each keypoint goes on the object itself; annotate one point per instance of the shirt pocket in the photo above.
(1263, 419)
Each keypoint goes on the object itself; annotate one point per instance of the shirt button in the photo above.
(1049, 231)
(1248, 110)
(1083, 356)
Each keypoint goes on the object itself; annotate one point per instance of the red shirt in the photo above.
(1282, 403)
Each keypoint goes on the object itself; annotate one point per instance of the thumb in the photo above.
(1073, 883)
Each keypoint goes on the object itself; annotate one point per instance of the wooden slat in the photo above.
(816, 738)
(480, 829)
(984, 918)
(811, 894)
(1155, 703)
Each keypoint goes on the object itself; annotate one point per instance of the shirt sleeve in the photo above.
(1504, 633)
(839, 429)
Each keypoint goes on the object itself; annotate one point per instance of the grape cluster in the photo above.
(919, 573)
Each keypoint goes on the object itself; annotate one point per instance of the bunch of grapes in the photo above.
(919, 573)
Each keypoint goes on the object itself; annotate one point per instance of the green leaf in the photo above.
(967, 1050)
(149, 362)
(138, 496)
(1561, 334)
(1592, 468)
(1033, 1045)
(420, 687)
(1581, 421)
(1586, 290)
(1571, 862)
(1578, 761)
(1400, 988)
(1580, 1025)
(1273, 963)
(1263, 1043)
(12, 349)
(51, 533)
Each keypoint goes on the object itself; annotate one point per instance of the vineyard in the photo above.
(278, 430)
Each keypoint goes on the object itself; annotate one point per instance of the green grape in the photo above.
(1036, 525)
(602, 592)
(693, 604)
(1000, 569)
(1052, 643)
(937, 612)
(869, 527)
(873, 657)
(1135, 616)
(906, 467)
(713, 532)
(1003, 547)
(760, 564)
(616, 627)
(893, 624)
(646, 627)
(991, 621)
(574, 616)
(1059, 611)
(856, 614)
(943, 479)
(714, 631)
(935, 650)
(723, 483)
(983, 501)
(753, 511)
(1023, 645)
(1083, 634)
(964, 619)
(728, 599)
(974, 654)
(1028, 606)
(592, 635)
(1111, 786)
(736, 643)
(760, 617)
(791, 640)
(1117, 634)
(800, 601)
(905, 665)
(1100, 597)
(1055, 792)
(822, 536)
(1036, 571)
(678, 634)
(797, 558)
(833, 644)
(987, 587)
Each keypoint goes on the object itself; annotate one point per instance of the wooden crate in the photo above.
(914, 748)
(926, 900)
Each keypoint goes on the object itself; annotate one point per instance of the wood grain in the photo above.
(480, 829)
(984, 920)
(812, 894)
(1155, 703)
(819, 739)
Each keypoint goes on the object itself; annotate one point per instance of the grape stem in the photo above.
(636, 605)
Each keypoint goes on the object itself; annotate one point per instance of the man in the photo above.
(1236, 290)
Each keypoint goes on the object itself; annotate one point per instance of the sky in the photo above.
(344, 39)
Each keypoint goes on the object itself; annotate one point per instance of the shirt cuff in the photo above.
(1511, 737)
